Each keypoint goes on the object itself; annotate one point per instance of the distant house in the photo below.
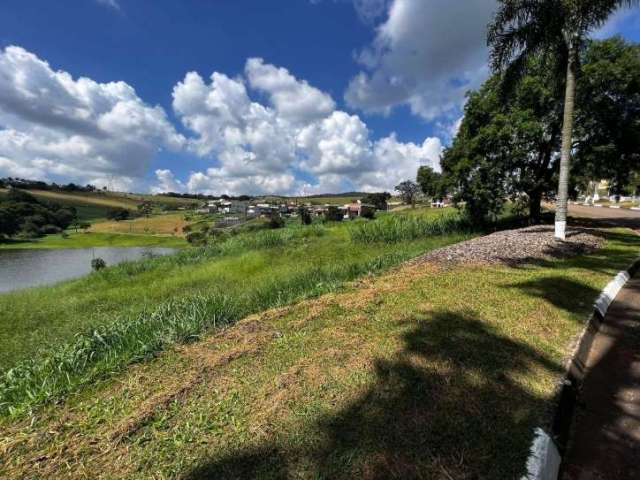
(358, 209)
(224, 206)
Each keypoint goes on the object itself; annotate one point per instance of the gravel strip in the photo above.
(513, 247)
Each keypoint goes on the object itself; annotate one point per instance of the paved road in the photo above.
(605, 442)
(604, 217)
(603, 212)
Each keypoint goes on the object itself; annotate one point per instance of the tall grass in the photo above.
(402, 228)
(109, 347)
(229, 246)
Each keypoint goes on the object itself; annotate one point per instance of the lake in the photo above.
(22, 268)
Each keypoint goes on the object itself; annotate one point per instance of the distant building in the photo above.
(358, 209)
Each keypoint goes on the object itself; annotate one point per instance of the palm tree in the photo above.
(555, 31)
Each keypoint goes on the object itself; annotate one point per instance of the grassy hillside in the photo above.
(94, 205)
(174, 296)
(423, 372)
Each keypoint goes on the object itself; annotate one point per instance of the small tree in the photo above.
(367, 211)
(333, 214)
(408, 192)
(98, 264)
(305, 215)
(378, 200)
(145, 208)
(276, 220)
(118, 214)
(431, 183)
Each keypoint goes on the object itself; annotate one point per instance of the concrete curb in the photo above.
(545, 453)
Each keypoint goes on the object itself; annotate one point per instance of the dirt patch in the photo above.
(513, 247)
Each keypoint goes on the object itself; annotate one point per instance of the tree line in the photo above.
(26, 184)
(24, 215)
(509, 144)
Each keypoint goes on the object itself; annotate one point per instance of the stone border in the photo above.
(545, 453)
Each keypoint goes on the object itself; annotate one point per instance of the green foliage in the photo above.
(333, 214)
(21, 213)
(198, 238)
(378, 200)
(276, 221)
(368, 212)
(402, 228)
(509, 150)
(145, 208)
(408, 191)
(305, 215)
(608, 114)
(504, 150)
(431, 182)
(98, 264)
(118, 214)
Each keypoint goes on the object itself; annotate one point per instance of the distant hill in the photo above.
(94, 205)
(332, 195)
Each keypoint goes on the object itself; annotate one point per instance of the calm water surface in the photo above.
(30, 268)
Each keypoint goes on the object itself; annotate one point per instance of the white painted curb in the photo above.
(610, 292)
(544, 459)
(615, 206)
(635, 208)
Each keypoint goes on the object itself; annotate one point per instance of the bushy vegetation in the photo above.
(507, 149)
(378, 200)
(402, 228)
(23, 215)
(333, 214)
(26, 184)
(118, 214)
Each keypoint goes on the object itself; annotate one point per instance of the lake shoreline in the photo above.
(94, 239)
(29, 268)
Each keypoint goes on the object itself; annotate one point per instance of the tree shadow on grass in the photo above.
(569, 295)
(604, 260)
(449, 405)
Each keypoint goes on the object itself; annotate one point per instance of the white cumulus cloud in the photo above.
(52, 125)
(298, 133)
(426, 54)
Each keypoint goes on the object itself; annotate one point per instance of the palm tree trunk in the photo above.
(567, 138)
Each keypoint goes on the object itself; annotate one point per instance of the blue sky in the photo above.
(340, 94)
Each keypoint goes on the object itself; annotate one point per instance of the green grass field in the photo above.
(421, 372)
(279, 263)
(91, 239)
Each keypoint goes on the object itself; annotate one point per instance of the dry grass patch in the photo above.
(166, 224)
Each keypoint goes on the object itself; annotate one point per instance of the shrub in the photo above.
(367, 211)
(276, 221)
(333, 214)
(398, 228)
(305, 216)
(49, 229)
(197, 238)
(118, 214)
(378, 200)
(98, 264)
